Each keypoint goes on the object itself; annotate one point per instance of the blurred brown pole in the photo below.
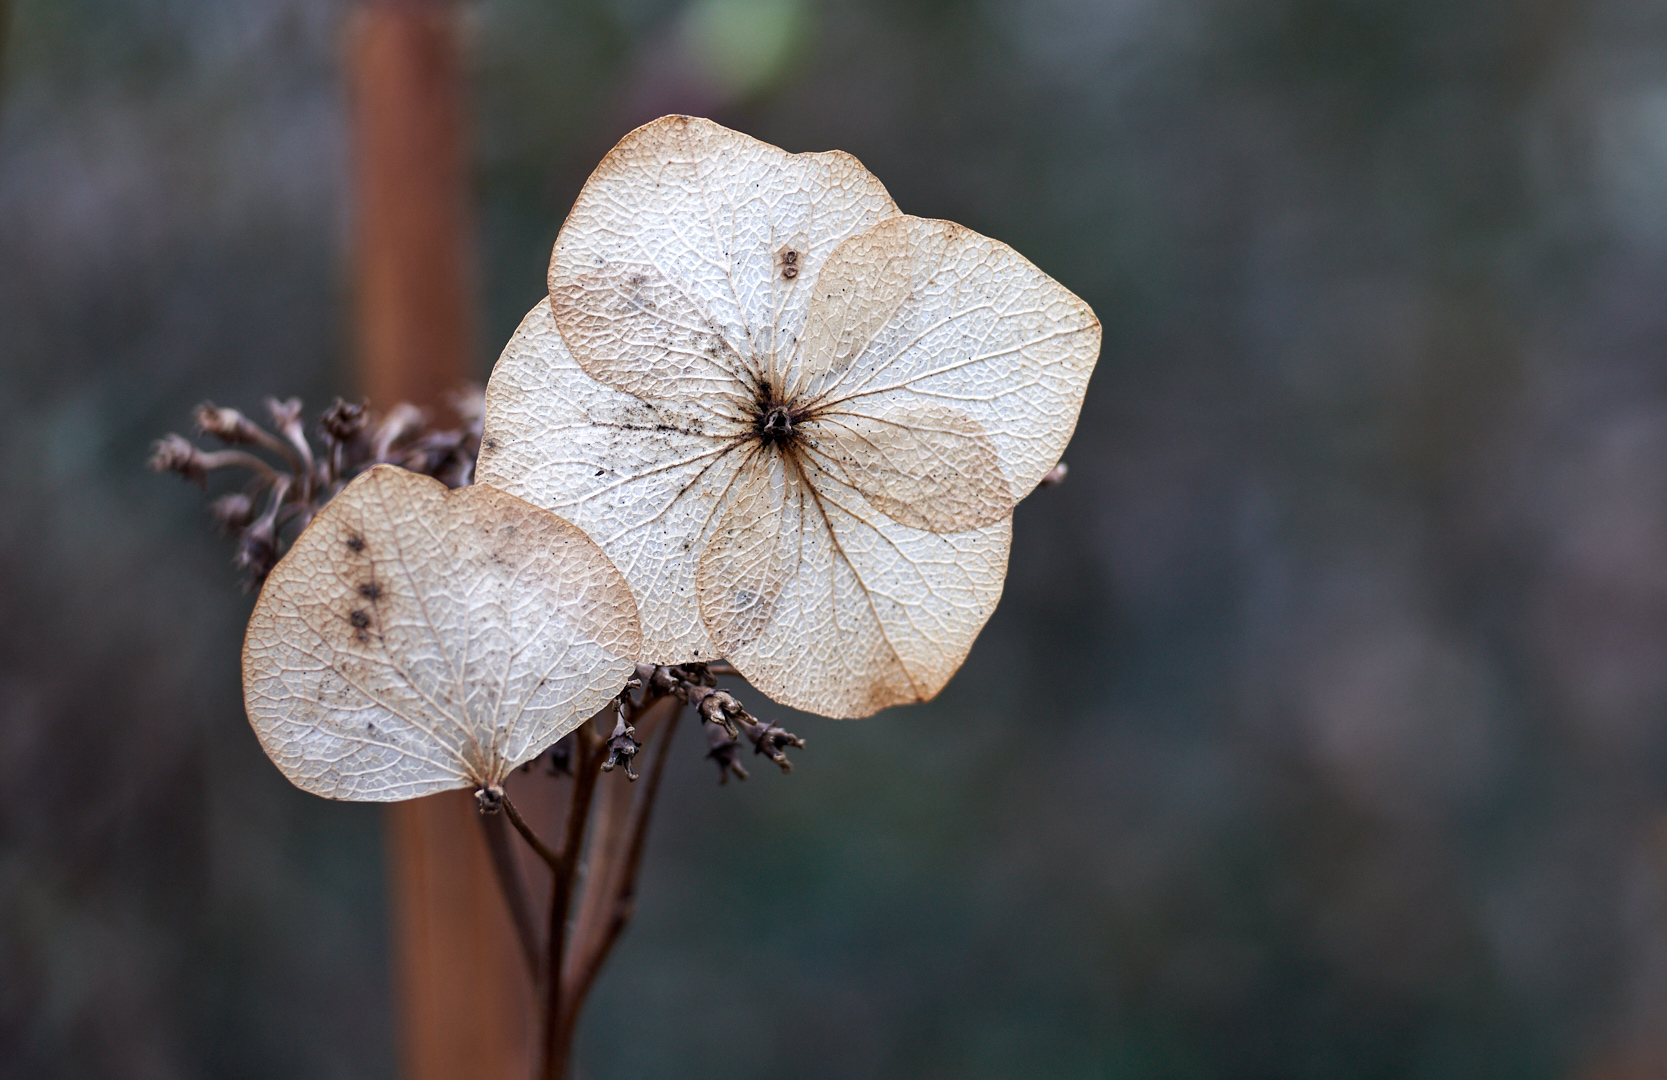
(463, 997)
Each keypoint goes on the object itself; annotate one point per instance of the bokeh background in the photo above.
(1320, 732)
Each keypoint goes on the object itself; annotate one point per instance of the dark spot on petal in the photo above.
(370, 590)
(359, 619)
(490, 444)
(356, 542)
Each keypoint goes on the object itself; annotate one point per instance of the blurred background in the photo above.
(1320, 732)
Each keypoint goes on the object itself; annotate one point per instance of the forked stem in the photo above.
(593, 869)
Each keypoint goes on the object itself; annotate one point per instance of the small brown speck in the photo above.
(370, 590)
(356, 543)
(359, 619)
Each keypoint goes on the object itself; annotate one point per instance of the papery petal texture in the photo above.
(797, 419)
(645, 480)
(980, 331)
(690, 251)
(416, 639)
(827, 605)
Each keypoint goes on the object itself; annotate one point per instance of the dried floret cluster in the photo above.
(286, 484)
(764, 424)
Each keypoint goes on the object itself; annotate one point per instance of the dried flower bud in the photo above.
(342, 421)
(174, 453)
(227, 425)
(718, 707)
(286, 417)
(694, 675)
(284, 413)
(233, 512)
(257, 554)
(257, 547)
(402, 422)
(770, 740)
(664, 681)
(349, 448)
(490, 798)
(725, 750)
(622, 749)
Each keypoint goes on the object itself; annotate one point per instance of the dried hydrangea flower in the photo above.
(415, 639)
(796, 418)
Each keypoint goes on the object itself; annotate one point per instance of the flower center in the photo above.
(775, 426)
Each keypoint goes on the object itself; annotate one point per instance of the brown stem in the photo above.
(550, 857)
(514, 888)
(588, 956)
(599, 903)
(278, 446)
(587, 766)
(239, 459)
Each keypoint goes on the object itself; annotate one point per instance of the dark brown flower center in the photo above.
(775, 425)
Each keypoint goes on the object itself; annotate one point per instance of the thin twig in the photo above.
(514, 888)
(609, 839)
(586, 965)
(587, 766)
(550, 857)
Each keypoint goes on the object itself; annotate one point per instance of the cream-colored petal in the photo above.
(980, 331)
(923, 465)
(646, 480)
(858, 611)
(854, 297)
(934, 376)
(687, 258)
(745, 561)
(640, 333)
(416, 639)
